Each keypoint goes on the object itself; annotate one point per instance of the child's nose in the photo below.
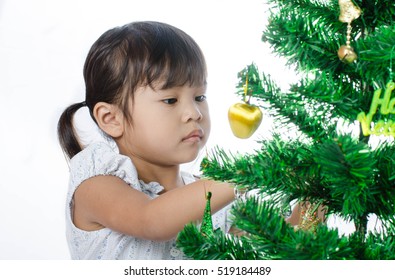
(192, 112)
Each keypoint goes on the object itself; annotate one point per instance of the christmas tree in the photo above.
(340, 154)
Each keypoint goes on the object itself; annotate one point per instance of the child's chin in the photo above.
(190, 157)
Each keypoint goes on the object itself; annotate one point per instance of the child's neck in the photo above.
(167, 176)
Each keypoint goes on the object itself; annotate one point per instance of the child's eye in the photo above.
(170, 101)
(200, 98)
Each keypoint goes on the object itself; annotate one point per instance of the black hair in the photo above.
(124, 58)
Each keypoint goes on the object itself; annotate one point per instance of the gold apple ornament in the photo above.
(244, 118)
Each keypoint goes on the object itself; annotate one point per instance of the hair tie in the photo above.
(83, 103)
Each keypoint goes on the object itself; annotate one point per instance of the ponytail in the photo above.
(66, 133)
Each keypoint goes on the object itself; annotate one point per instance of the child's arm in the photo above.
(107, 201)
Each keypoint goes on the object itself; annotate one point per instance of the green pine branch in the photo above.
(380, 246)
(267, 236)
(304, 33)
(346, 175)
(376, 56)
(219, 246)
(308, 34)
(282, 169)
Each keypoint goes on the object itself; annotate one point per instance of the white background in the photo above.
(43, 45)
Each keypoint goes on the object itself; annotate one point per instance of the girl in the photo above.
(145, 89)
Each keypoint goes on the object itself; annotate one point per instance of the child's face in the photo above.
(168, 127)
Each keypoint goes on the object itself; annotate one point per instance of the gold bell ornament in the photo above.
(348, 12)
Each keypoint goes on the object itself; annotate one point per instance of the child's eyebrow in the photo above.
(202, 87)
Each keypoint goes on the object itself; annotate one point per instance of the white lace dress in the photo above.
(102, 159)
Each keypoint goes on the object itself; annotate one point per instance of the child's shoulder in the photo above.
(95, 154)
(100, 158)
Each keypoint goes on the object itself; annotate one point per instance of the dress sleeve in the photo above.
(101, 159)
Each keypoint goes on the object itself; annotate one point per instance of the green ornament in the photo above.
(206, 228)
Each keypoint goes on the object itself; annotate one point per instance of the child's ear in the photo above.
(109, 118)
